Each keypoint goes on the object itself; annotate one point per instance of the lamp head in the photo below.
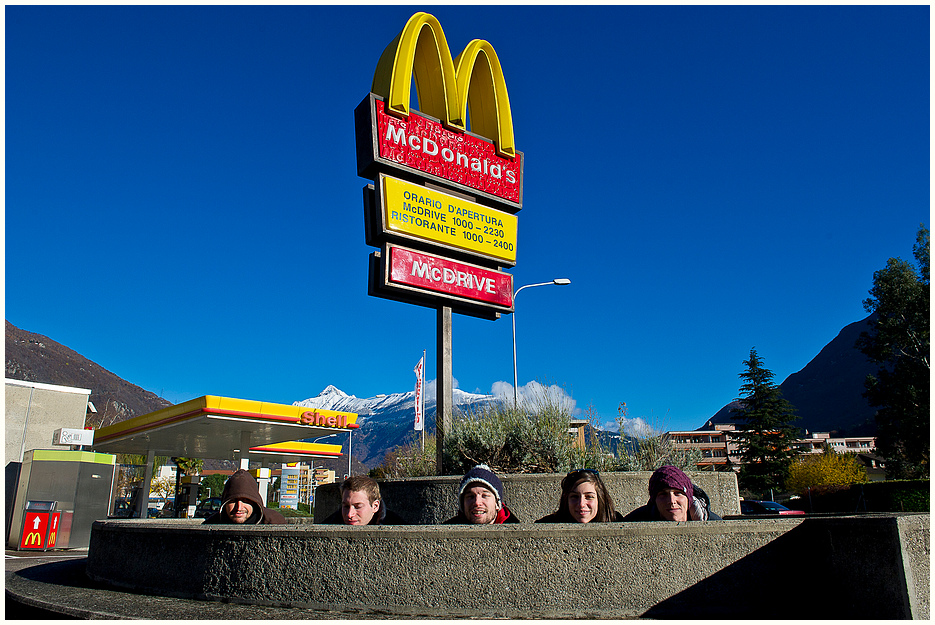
(561, 281)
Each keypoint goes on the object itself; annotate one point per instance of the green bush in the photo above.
(651, 448)
(532, 438)
(410, 460)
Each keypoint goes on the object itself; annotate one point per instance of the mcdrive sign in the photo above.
(437, 187)
(472, 284)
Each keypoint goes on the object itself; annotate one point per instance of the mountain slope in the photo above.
(386, 421)
(33, 357)
(827, 392)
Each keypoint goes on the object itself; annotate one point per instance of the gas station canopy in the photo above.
(223, 428)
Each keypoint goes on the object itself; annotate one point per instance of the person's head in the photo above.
(585, 498)
(671, 491)
(480, 495)
(240, 500)
(360, 500)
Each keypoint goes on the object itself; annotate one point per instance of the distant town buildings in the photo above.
(719, 445)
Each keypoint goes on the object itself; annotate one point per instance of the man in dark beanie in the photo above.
(673, 497)
(241, 503)
(480, 499)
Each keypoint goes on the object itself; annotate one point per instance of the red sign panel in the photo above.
(53, 531)
(450, 277)
(35, 527)
(427, 146)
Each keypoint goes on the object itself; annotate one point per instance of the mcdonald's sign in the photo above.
(434, 143)
(35, 530)
(53, 531)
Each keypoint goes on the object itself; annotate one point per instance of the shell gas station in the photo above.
(224, 428)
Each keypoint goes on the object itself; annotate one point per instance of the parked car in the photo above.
(752, 507)
(207, 507)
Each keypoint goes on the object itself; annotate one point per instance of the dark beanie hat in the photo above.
(669, 477)
(483, 476)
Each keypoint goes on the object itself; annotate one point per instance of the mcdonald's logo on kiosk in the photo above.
(434, 143)
(38, 523)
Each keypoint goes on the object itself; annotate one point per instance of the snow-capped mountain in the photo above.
(386, 421)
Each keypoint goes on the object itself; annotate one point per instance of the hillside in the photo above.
(827, 392)
(36, 358)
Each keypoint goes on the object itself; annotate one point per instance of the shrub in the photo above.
(530, 438)
(648, 447)
(826, 470)
(410, 460)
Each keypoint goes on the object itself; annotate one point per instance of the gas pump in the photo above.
(187, 498)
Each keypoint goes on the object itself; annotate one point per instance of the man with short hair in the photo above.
(241, 503)
(361, 504)
(480, 499)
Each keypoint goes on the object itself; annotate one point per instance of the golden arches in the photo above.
(446, 87)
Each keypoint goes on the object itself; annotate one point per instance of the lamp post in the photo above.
(559, 282)
(311, 498)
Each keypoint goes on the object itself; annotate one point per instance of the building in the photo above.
(576, 429)
(815, 443)
(718, 445)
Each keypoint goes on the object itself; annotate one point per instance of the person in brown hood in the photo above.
(241, 503)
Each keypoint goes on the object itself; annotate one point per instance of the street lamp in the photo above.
(559, 282)
(311, 498)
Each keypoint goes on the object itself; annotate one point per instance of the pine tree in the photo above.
(764, 431)
(899, 342)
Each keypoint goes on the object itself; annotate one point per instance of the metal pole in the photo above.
(557, 281)
(515, 381)
(22, 449)
(443, 386)
(349, 453)
(422, 383)
(143, 503)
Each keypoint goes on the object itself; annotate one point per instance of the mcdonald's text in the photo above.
(427, 146)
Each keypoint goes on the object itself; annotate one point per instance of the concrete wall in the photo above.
(431, 500)
(868, 567)
(50, 408)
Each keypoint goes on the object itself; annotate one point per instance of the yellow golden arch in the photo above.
(446, 88)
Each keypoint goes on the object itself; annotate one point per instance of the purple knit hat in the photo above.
(669, 477)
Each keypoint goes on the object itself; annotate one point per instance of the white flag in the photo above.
(420, 404)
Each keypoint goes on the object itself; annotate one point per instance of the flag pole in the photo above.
(423, 398)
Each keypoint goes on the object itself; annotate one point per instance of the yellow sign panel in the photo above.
(434, 216)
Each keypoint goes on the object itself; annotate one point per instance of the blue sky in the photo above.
(183, 208)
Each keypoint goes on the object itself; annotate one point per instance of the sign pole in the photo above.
(443, 387)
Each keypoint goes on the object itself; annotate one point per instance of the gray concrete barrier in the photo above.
(432, 500)
(864, 567)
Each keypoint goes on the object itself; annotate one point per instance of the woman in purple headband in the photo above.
(673, 497)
